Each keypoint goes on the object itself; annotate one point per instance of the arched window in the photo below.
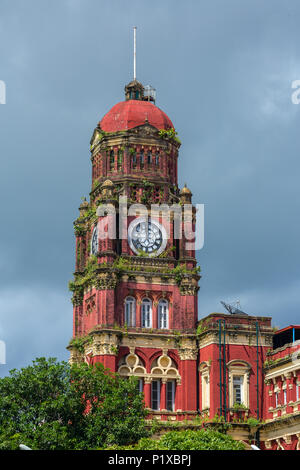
(149, 158)
(146, 313)
(157, 158)
(238, 378)
(133, 159)
(120, 159)
(170, 395)
(163, 314)
(142, 159)
(130, 311)
(140, 385)
(155, 394)
(112, 160)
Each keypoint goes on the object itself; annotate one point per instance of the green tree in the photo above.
(52, 405)
(189, 440)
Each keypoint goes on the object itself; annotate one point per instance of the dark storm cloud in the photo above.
(223, 73)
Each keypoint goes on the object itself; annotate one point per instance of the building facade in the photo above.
(135, 287)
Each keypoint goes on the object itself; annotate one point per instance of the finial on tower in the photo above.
(134, 53)
(135, 90)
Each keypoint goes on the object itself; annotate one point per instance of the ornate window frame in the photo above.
(204, 369)
(159, 315)
(130, 300)
(241, 368)
(146, 301)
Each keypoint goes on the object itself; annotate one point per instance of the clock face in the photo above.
(94, 241)
(146, 235)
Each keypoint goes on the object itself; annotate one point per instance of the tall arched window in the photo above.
(146, 313)
(157, 158)
(142, 159)
(163, 314)
(149, 158)
(112, 160)
(120, 159)
(133, 158)
(130, 311)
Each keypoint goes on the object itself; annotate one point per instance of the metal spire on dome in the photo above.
(134, 53)
(135, 90)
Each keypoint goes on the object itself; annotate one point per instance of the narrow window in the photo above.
(146, 313)
(133, 159)
(157, 158)
(284, 397)
(170, 395)
(155, 394)
(130, 311)
(205, 392)
(112, 160)
(237, 389)
(149, 158)
(140, 385)
(276, 399)
(142, 159)
(120, 159)
(163, 315)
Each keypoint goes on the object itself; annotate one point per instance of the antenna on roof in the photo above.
(233, 309)
(134, 53)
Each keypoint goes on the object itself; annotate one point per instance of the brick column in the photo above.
(155, 315)
(289, 392)
(178, 397)
(138, 320)
(116, 159)
(188, 388)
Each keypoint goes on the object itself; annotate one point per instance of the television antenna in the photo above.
(233, 308)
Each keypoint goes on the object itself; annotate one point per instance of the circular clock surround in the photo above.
(94, 241)
(152, 240)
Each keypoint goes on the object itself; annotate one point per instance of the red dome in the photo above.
(132, 113)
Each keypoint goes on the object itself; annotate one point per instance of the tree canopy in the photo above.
(52, 405)
(203, 439)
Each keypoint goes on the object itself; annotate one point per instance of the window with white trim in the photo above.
(163, 314)
(155, 394)
(146, 313)
(140, 385)
(284, 397)
(238, 375)
(205, 391)
(238, 389)
(130, 311)
(170, 395)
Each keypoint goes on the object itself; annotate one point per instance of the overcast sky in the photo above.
(223, 71)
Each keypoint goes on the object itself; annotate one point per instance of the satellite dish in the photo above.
(233, 310)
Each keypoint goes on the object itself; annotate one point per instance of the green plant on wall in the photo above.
(170, 134)
(239, 406)
(202, 327)
(79, 343)
(83, 280)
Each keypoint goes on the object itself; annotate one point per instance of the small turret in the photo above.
(83, 207)
(186, 195)
(134, 91)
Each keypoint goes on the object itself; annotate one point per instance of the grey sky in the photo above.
(223, 72)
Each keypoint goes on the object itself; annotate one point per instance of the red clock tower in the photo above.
(135, 290)
(136, 281)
